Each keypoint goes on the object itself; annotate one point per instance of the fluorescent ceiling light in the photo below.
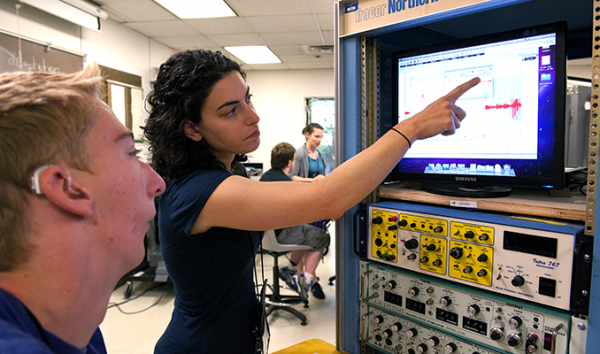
(75, 11)
(187, 9)
(258, 54)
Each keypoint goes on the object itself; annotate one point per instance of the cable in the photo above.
(117, 305)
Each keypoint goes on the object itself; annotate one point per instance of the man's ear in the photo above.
(66, 193)
(191, 132)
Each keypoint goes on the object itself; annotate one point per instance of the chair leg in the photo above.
(277, 297)
(291, 310)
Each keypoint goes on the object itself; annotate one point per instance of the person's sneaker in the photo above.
(286, 274)
(300, 286)
(317, 290)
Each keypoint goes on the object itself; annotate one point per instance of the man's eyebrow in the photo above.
(228, 103)
(124, 136)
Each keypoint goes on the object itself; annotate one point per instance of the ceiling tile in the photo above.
(323, 6)
(283, 23)
(326, 22)
(225, 25)
(140, 10)
(311, 65)
(286, 50)
(269, 66)
(114, 16)
(307, 58)
(270, 7)
(329, 37)
(236, 39)
(185, 41)
(282, 38)
(159, 28)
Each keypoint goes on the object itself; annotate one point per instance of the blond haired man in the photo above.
(75, 203)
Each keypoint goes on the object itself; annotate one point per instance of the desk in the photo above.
(532, 202)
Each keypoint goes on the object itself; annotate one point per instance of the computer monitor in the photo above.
(513, 135)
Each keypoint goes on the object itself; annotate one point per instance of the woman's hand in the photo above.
(442, 116)
(318, 178)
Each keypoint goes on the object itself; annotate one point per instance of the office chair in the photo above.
(276, 301)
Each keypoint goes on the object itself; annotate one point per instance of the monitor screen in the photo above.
(513, 135)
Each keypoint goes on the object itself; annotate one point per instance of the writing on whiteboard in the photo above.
(23, 65)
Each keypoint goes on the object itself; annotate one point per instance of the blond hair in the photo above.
(43, 119)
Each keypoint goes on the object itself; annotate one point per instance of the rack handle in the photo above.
(554, 334)
(362, 285)
(362, 326)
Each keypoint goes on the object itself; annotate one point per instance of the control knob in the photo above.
(450, 348)
(431, 247)
(497, 334)
(484, 237)
(424, 259)
(456, 252)
(437, 262)
(468, 269)
(473, 310)
(482, 273)
(392, 227)
(396, 327)
(411, 244)
(411, 257)
(377, 220)
(445, 301)
(517, 280)
(515, 322)
(433, 341)
(438, 229)
(403, 223)
(515, 340)
(422, 348)
(482, 258)
(378, 242)
(378, 319)
(390, 285)
(530, 344)
(412, 332)
(414, 291)
(469, 234)
(387, 334)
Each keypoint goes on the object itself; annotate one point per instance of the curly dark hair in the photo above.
(183, 83)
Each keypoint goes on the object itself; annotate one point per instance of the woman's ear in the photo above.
(57, 184)
(191, 132)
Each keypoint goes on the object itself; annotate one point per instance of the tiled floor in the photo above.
(137, 333)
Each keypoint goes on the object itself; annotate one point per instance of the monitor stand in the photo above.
(467, 191)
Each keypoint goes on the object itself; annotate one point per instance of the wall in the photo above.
(117, 46)
(278, 98)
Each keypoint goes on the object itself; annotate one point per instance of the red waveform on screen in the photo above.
(515, 106)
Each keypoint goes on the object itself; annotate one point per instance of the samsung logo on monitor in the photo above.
(466, 179)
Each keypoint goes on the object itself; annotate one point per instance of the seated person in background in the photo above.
(75, 204)
(282, 163)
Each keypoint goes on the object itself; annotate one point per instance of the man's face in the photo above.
(123, 189)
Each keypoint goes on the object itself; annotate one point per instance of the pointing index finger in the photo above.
(460, 90)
